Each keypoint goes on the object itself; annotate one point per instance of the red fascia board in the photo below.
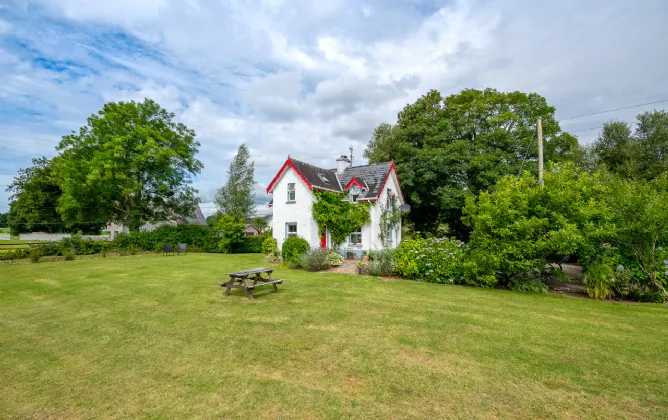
(288, 164)
(389, 173)
(354, 181)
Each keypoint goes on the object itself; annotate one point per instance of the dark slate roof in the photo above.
(371, 176)
(198, 217)
(318, 177)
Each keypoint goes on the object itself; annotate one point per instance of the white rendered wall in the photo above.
(300, 212)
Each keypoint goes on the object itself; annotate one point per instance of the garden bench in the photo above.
(245, 276)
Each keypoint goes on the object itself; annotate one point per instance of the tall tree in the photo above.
(237, 197)
(35, 194)
(642, 154)
(131, 164)
(448, 148)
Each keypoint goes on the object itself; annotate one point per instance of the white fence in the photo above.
(55, 236)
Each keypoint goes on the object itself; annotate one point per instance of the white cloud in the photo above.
(311, 78)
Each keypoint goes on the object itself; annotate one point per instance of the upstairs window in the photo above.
(354, 193)
(390, 200)
(291, 192)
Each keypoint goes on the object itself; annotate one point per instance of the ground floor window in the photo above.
(356, 237)
(291, 229)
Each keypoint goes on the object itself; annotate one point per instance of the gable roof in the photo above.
(197, 218)
(371, 178)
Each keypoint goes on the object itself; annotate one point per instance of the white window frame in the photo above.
(291, 192)
(288, 225)
(350, 238)
(355, 192)
(389, 200)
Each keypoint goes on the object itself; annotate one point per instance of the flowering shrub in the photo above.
(315, 260)
(383, 263)
(433, 260)
(334, 259)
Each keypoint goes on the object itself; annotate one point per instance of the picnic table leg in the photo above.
(229, 286)
(274, 284)
(248, 291)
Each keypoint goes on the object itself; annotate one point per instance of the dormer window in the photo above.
(354, 193)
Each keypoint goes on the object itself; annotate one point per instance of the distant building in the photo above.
(197, 219)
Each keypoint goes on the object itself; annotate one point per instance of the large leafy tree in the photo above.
(642, 154)
(448, 148)
(131, 163)
(237, 197)
(35, 194)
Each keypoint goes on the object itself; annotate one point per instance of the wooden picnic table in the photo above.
(245, 276)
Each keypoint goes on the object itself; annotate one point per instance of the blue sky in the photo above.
(310, 78)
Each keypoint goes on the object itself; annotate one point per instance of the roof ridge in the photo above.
(310, 164)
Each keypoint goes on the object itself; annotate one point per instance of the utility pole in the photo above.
(540, 151)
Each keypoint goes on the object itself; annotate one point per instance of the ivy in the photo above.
(390, 217)
(341, 218)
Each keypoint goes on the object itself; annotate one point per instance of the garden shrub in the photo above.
(334, 258)
(382, 264)
(16, 254)
(293, 248)
(35, 253)
(599, 280)
(528, 285)
(315, 260)
(269, 246)
(248, 245)
(436, 260)
(520, 227)
(197, 237)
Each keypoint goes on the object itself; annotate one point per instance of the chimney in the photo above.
(342, 163)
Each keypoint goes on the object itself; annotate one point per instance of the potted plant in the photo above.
(365, 256)
(362, 267)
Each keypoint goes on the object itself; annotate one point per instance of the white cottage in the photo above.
(293, 199)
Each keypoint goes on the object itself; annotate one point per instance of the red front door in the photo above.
(323, 240)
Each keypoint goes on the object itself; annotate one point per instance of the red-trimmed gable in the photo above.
(352, 182)
(288, 164)
(389, 173)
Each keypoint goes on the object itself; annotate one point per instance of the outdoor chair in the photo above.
(181, 248)
(167, 249)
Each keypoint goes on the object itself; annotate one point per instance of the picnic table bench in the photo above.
(245, 276)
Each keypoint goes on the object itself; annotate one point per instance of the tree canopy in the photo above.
(237, 197)
(36, 192)
(131, 163)
(446, 149)
(639, 154)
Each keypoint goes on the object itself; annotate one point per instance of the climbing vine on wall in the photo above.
(340, 217)
(390, 217)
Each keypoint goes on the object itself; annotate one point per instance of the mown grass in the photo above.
(154, 337)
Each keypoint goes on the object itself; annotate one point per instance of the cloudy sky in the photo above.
(307, 78)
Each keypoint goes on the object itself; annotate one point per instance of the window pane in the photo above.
(291, 186)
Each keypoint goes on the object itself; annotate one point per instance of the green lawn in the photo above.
(154, 337)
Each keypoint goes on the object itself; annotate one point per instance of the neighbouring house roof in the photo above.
(197, 218)
(370, 178)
